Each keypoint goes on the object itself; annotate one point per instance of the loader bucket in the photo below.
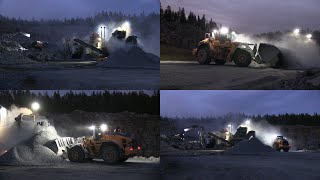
(60, 145)
(268, 54)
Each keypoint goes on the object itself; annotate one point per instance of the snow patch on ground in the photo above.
(149, 159)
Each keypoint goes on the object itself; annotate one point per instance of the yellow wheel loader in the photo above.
(112, 147)
(221, 49)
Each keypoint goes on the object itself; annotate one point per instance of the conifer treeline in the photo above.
(97, 101)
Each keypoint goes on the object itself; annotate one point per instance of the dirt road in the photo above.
(191, 75)
(277, 166)
(77, 76)
(132, 169)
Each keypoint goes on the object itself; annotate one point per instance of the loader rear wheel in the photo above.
(219, 61)
(111, 154)
(203, 55)
(76, 154)
(242, 58)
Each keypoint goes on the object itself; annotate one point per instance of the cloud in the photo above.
(254, 15)
(215, 103)
(45, 9)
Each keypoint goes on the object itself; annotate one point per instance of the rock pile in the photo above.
(252, 146)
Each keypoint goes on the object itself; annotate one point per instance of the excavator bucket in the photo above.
(267, 54)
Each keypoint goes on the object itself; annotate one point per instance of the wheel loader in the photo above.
(112, 147)
(221, 48)
(281, 144)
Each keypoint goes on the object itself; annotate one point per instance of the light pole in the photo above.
(101, 31)
(230, 126)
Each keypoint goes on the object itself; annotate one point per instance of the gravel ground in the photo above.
(277, 166)
(84, 76)
(132, 169)
(191, 75)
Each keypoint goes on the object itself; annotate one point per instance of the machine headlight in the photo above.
(35, 106)
(92, 127)
(103, 127)
(224, 30)
(296, 32)
(309, 36)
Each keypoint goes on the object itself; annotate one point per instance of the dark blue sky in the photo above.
(255, 15)
(207, 103)
(88, 92)
(27, 9)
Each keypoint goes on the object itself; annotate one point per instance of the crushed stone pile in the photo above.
(252, 146)
(166, 147)
(16, 37)
(133, 57)
(33, 151)
(14, 57)
(309, 79)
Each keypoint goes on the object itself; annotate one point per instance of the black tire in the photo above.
(76, 154)
(123, 159)
(110, 154)
(242, 58)
(203, 55)
(285, 150)
(219, 61)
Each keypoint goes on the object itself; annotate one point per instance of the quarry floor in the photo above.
(276, 166)
(191, 75)
(76, 75)
(132, 169)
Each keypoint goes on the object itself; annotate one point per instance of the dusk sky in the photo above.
(88, 92)
(255, 16)
(48, 9)
(216, 103)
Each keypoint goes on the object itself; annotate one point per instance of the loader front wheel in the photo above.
(110, 154)
(203, 55)
(76, 154)
(242, 58)
(285, 150)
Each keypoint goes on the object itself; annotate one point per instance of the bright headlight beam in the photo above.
(224, 30)
(35, 106)
(309, 36)
(296, 32)
(92, 127)
(103, 127)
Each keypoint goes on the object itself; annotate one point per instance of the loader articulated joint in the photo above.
(104, 144)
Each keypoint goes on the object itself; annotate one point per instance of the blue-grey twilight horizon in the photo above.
(254, 16)
(195, 103)
(59, 9)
